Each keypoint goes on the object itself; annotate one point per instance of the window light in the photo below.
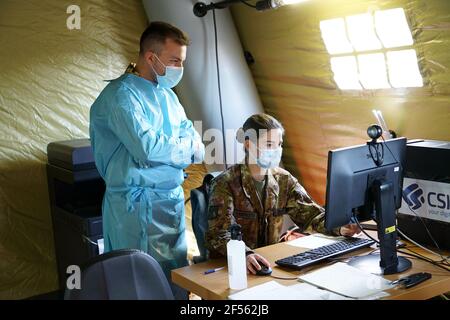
(345, 72)
(392, 28)
(334, 36)
(372, 71)
(368, 51)
(403, 69)
(362, 33)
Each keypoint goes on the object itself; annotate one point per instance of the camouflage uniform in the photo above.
(234, 199)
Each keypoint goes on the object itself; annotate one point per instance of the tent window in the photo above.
(372, 51)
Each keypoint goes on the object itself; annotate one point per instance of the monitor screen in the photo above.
(352, 172)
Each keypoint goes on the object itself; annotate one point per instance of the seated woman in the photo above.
(257, 193)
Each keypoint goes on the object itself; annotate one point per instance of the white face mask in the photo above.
(171, 77)
(269, 158)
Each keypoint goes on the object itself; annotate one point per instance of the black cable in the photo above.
(426, 228)
(418, 256)
(415, 254)
(417, 215)
(248, 4)
(379, 156)
(220, 91)
(443, 260)
(363, 231)
(438, 262)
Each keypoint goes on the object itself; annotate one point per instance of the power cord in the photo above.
(420, 257)
(429, 235)
(220, 91)
(379, 155)
(444, 259)
(413, 254)
(355, 218)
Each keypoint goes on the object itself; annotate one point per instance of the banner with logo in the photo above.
(428, 199)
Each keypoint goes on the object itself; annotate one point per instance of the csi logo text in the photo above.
(414, 196)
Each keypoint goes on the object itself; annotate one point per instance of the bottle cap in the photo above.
(235, 230)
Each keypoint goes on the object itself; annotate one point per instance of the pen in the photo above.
(213, 270)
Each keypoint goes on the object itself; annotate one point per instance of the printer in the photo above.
(76, 194)
(426, 193)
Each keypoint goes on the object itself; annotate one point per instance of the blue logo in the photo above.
(413, 196)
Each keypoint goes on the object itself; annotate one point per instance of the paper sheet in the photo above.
(271, 290)
(275, 291)
(314, 293)
(347, 280)
(313, 241)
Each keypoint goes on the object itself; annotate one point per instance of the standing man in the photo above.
(142, 141)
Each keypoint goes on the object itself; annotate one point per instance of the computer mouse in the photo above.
(264, 271)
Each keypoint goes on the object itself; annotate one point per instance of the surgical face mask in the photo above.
(171, 77)
(269, 158)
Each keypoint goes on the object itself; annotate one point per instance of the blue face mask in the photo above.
(171, 77)
(269, 158)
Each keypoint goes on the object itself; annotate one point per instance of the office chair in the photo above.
(199, 203)
(122, 275)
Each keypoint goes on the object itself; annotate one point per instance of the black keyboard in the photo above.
(313, 256)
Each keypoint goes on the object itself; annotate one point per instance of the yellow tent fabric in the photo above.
(50, 75)
(294, 79)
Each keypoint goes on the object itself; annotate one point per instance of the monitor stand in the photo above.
(387, 261)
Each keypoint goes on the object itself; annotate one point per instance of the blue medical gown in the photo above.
(142, 141)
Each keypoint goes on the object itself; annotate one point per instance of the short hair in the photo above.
(257, 124)
(156, 34)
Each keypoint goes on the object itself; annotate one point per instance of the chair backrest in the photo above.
(122, 275)
(199, 204)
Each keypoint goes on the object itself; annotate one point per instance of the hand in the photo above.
(349, 230)
(252, 262)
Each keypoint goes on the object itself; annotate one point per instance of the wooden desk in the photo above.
(214, 286)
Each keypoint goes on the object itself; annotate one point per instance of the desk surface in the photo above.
(214, 286)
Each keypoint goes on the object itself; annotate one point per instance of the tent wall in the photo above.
(294, 79)
(49, 77)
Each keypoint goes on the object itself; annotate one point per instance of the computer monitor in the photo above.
(364, 182)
